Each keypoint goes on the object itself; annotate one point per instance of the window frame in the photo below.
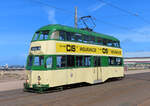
(98, 64)
(39, 61)
(28, 61)
(84, 63)
(115, 61)
(45, 63)
(72, 60)
(33, 39)
(44, 35)
(64, 32)
(92, 41)
(77, 35)
(77, 61)
(84, 39)
(99, 38)
(64, 62)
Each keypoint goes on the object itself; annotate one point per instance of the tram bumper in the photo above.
(36, 87)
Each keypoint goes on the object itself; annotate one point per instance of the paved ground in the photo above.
(132, 91)
(11, 85)
(136, 71)
(15, 79)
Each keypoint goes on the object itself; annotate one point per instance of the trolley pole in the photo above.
(76, 20)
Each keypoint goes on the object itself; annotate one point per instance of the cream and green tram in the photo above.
(61, 55)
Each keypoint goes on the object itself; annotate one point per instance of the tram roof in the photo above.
(54, 27)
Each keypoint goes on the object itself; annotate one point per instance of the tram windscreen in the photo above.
(41, 35)
(36, 36)
(44, 35)
(30, 59)
(35, 61)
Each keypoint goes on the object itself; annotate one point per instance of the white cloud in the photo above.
(96, 7)
(136, 54)
(51, 16)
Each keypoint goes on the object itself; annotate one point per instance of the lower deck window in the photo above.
(115, 61)
(30, 59)
(118, 61)
(97, 61)
(60, 61)
(87, 61)
(49, 62)
(79, 61)
(38, 60)
(70, 61)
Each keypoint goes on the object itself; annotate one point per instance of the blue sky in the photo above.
(19, 19)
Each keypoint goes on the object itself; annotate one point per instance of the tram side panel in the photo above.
(112, 72)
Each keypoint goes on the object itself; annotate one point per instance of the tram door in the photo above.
(97, 65)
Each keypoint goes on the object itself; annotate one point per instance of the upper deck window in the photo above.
(68, 36)
(116, 44)
(92, 39)
(85, 39)
(73, 37)
(78, 37)
(110, 43)
(55, 35)
(36, 36)
(62, 35)
(99, 41)
(44, 35)
(105, 42)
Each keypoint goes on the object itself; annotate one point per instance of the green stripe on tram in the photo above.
(75, 30)
(103, 63)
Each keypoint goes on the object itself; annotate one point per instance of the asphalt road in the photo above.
(131, 91)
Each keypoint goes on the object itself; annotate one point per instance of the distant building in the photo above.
(137, 62)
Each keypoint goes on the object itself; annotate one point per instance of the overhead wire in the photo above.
(125, 11)
(54, 7)
(70, 12)
(48, 5)
(121, 27)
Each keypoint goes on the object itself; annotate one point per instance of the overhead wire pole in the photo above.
(70, 12)
(76, 18)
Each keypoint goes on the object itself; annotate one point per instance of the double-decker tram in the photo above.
(61, 55)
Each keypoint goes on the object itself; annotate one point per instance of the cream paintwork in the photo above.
(49, 48)
(70, 76)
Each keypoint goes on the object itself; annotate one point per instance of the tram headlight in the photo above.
(27, 79)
